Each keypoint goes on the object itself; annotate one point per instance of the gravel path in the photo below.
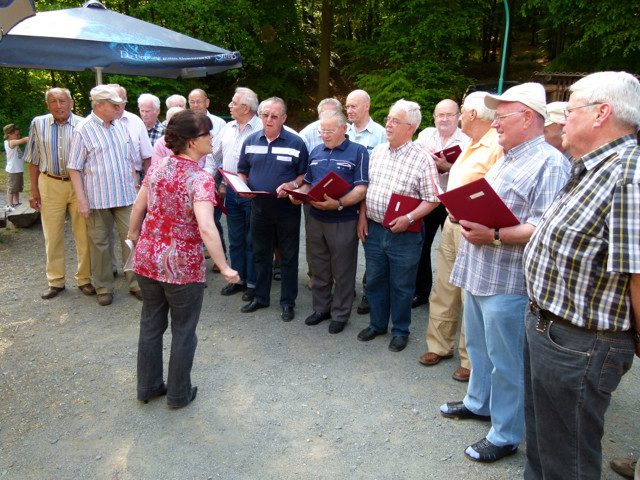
(275, 401)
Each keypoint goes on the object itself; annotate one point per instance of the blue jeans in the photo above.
(239, 229)
(267, 233)
(495, 339)
(184, 302)
(392, 263)
(570, 374)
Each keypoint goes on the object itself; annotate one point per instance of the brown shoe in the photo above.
(624, 466)
(431, 358)
(105, 299)
(462, 374)
(136, 293)
(87, 289)
(51, 292)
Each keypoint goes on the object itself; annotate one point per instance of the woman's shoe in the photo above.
(194, 392)
(158, 392)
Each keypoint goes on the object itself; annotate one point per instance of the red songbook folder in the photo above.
(239, 186)
(332, 184)
(478, 202)
(451, 154)
(400, 205)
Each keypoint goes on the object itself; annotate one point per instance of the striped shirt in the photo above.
(105, 157)
(226, 147)
(407, 171)
(49, 143)
(578, 260)
(527, 179)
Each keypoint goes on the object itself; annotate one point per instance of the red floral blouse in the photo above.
(170, 247)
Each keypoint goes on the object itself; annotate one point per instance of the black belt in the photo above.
(56, 177)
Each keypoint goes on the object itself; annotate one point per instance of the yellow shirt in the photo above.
(476, 160)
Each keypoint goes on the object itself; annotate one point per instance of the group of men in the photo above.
(552, 305)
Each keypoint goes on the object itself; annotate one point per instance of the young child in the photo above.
(15, 164)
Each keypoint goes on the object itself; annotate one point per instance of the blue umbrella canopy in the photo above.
(106, 41)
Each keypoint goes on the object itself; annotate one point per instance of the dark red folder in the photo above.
(451, 154)
(332, 184)
(238, 185)
(400, 205)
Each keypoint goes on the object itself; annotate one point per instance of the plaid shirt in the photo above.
(527, 179)
(578, 261)
(156, 132)
(406, 171)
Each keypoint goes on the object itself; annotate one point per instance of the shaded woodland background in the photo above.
(305, 50)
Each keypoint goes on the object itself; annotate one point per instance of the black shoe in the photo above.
(486, 452)
(232, 289)
(368, 334)
(317, 317)
(158, 392)
(461, 412)
(194, 392)
(336, 327)
(363, 308)
(252, 306)
(287, 313)
(397, 344)
(419, 300)
(249, 295)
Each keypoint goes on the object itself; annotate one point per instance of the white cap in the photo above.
(104, 92)
(530, 94)
(555, 112)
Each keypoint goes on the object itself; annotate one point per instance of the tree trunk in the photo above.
(326, 32)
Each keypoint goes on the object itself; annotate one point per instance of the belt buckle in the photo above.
(541, 324)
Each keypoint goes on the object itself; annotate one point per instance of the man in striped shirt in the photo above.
(102, 169)
(52, 193)
(582, 267)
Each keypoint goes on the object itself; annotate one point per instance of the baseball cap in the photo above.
(104, 92)
(530, 94)
(555, 112)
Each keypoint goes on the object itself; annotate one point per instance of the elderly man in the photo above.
(363, 130)
(582, 268)
(149, 108)
(489, 269)
(199, 102)
(392, 253)
(553, 126)
(226, 153)
(446, 301)
(176, 100)
(270, 160)
(52, 194)
(311, 133)
(102, 171)
(332, 236)
(160, 149)
(445, 134)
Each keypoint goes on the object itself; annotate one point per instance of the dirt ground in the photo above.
(275, 401)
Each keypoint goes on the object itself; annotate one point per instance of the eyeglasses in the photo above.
(394, 122)
(499, 118)
(567, 111)
(267, 116)
(327, 132)
(202, 135)
(445, 116)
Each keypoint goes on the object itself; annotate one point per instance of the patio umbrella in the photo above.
(94, 37)
(13, 12)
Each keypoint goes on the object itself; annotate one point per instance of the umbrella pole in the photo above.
(98, 75)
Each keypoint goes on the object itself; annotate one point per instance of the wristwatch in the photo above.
(411, 220)
(295, 184)
(496, 237)
(340, 206)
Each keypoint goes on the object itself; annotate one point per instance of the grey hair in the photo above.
(65, 90)
(327, 114)
(619, 89)
(412, 109)
(248, 97)
(148, 97)
(475, 101)
(274, 100)
(175, 96)
(118, 86)
(329, 101)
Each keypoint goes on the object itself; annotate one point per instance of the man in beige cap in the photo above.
(102, 171)
(489, 268)
(553, 126)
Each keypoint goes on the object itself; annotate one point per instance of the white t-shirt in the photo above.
(15, 164)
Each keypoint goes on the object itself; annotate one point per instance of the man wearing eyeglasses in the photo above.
(199, 102)
(445, 134)
(270, 160)
(582, 269)
(331, 232)
(226, 154)
(392, 253)
(489, 269)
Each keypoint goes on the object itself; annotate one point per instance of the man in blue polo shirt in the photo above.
(332, 235)
(270, 160)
